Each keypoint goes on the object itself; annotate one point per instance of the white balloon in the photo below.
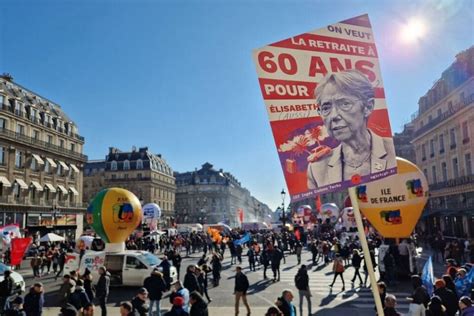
(348, 219)
(151, 211)
(330, 211)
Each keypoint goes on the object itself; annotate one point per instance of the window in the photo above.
(455, 168)
(47, 166)
(2, 99)
(467, 160)
(433, 171)
(50, 139)
(113, 165)
(20, 129)
(139, 175)
(465, 132)
(444, 170)
(441, 143)
(36, 134)
(33, 165)
(132, 263)
(2, 155)
(125, 176)
(139, 164)
(61, 143)
(452, 135)
(126, 165)
(114, 176)
(59, 169)
(3, 123)
(33, 114)
(19, 159)
(432, 148)
(423, 152)
(16, 190)
(439, 112)
(73, 147)
(17, 108)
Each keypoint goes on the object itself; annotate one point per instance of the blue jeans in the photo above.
(158, 308)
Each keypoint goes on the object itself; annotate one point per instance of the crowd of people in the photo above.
(264, 250)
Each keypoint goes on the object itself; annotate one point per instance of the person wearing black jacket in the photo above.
(190, 279)
(87, 279)
(356, 261)
(302, 284)
(34, 301)
(156, 285)
(240, 289)
(216, 269)
(276, 256)
(79, 298)
(139, 303)
(6, 289)
(198, 306)
(448, 297)
(102, 289)
(177, 261)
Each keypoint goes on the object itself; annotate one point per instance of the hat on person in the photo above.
(142, 291)
(178, 301)
(69, 310)
(440, 283)
(466, 300)
(18, 300)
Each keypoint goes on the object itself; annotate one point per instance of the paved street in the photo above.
(263, 293)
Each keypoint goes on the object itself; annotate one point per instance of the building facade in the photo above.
(41, 164)
(402, 142)
(145, 174)
(210, 196)
(443, 141)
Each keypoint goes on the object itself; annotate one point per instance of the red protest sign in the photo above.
(19, 246)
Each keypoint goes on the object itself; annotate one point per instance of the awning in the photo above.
(73, 190)
(62, 189)
(37, 186)
(22, 184)
(52, 163)
(38, 159)
(74, 168)
(50, 187)
(4, 181)
(65, 167)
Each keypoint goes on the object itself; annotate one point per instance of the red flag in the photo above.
(241, 214)
(318, 203)
(19, 246)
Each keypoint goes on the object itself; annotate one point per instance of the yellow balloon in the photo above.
(114, 214)
(394, 204)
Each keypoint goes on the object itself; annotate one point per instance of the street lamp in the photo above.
(283, 194)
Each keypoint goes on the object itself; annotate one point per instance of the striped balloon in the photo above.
(114, 214)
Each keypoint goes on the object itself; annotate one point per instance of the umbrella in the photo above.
(51, 237)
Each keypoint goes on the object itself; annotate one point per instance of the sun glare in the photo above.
(413, 30)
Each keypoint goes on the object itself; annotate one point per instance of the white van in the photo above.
(126, 268)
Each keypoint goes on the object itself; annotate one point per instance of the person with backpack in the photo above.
(79, 298)
(302, 284)
(338, 269)
(156, 285)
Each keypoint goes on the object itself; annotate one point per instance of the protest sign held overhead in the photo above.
(325, 99)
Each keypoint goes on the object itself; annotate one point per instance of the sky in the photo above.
(178, 76)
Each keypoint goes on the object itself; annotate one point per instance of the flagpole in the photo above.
(365, 249)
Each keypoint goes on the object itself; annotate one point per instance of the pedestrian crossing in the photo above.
(358, 297)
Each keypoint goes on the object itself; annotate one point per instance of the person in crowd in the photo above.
(202, 260)
(61, 262)
(450, 283)
(465, 306)
(435, 307)
(389, 264)
(34, 301)
(273, 311)
(69, 310)
(302, 284)
(201, 274)
(198, 306)
(338, 269)
(156, 286)
(139, 302)
(177, 261)
(65, 291)
(240, 290)
(265, 260)
(180, 291)
(178, 307)
(102, 289)
(216, 269)
(314, 252)
(463, 284)
(390, 306)
(419, 299)
(166, 268)
(126, 309)
(298, 250)
(35, 264)
(88, 284)
(276, 256)
(382, 288)
(6, 289)
(356, 261)
(190, 280)
(251, 257)
(448, 297)
(79, 298)
(88, 310)
(16, 308)
(285, 304)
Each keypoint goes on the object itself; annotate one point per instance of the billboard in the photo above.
(325, 99)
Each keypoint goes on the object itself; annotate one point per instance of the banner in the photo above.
(325, 99)
(19, 246)
(242, 240)
(427, 276)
